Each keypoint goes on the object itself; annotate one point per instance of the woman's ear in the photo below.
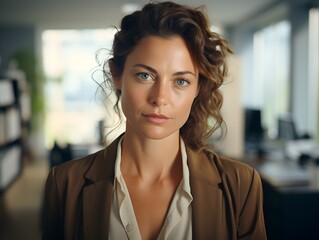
(116, 76)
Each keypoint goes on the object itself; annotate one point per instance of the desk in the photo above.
(291, 212)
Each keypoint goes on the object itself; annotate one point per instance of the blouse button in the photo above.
(129, 227)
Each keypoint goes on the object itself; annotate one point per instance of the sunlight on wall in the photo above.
(73, 105)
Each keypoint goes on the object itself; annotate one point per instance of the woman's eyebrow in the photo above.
(154, 71)
(146, 67)
(184, 72)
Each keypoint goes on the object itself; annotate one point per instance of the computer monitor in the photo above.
(253, 126)
(286, 128)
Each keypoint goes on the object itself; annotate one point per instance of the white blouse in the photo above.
(178, 222)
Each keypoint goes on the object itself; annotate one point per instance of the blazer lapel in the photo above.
(207, 203)
(97, 194)
(96, 210)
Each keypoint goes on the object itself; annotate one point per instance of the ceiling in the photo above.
(102, 13)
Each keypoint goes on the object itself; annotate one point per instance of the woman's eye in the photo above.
(182, 82)
(144, 76)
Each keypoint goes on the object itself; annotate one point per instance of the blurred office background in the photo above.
(51, 109)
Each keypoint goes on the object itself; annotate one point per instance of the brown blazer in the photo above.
(227, 198)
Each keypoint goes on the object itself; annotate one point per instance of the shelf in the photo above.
(11, 131)
(4, 108)
(9, 92)
(10, 165)
(10, 144)
(10, 125)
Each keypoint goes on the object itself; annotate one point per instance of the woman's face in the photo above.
(158, 84)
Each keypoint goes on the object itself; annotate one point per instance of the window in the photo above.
(73, 107)
(270, 83)
(313, 112)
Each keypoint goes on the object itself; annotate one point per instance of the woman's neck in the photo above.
(149, 159)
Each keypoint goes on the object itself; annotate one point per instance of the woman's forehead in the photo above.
(159, 50)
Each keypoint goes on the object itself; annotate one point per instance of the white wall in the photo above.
(232, 144)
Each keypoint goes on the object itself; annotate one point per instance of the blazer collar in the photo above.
(206, 189)
(102, 167)
(202, 168)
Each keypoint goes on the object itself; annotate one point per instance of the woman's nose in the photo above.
(159, 94)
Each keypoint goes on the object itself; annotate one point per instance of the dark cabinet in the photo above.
(291, 212)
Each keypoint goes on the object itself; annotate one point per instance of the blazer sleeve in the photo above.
(251, 220)
(52, 216)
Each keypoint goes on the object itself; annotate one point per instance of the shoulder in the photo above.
(238, 179)
(77, 166)
(214, 168)
(213, 165)
(94, 167)
(235, 176)
(235, 171)
(232, 168)
(74, 169)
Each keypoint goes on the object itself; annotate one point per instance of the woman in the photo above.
(159, 180)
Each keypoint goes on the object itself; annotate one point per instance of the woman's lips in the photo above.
(156, 118)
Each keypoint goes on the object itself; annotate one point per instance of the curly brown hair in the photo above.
(208, 50)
